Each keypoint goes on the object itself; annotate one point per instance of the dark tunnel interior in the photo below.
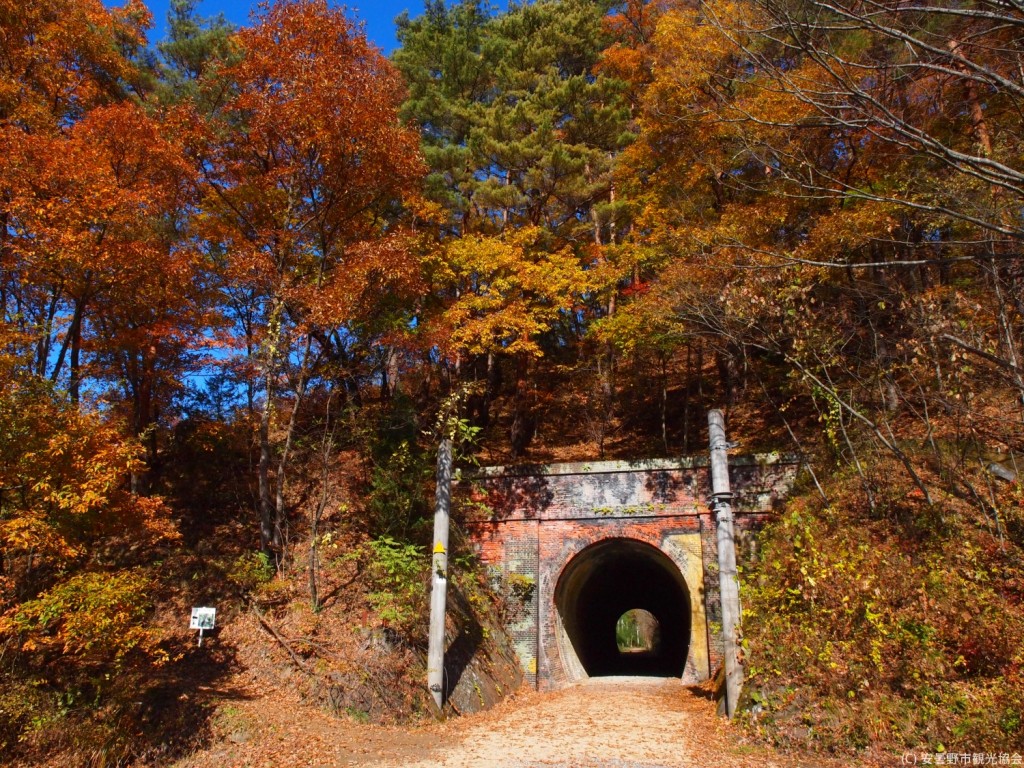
(603, 582)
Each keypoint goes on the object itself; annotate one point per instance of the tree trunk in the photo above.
(524, 425)
(728, 374)
(686, 399)
(493, 384)
(664, 401)
(267, 542)
(74, 381)
(318, 510)
(389, 377)
(71, 341)
(282, 464)
(45, 342)
(144, 418)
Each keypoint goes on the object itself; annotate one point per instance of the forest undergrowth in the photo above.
(887, 630)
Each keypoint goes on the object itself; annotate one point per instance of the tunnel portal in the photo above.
(575, 546)
(606, 580)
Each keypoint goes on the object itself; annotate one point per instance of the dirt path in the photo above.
(605, 723)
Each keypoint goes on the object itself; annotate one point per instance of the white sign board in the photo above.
(203, 618)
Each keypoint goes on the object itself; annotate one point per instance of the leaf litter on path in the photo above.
(603, 723)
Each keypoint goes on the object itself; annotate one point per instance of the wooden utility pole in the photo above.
(439, 572)
(721, 497)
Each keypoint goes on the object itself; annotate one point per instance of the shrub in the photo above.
(875, 629)
(397, 574)
(251, 570)
(94, 618)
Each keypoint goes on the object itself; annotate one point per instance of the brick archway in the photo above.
(598, 586)
(533, 522)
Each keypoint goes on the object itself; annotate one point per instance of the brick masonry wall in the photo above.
(528, 523)
(561, 541)
(510, 551)
(712, 592)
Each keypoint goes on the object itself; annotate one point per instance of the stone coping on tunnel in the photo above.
(637, 465)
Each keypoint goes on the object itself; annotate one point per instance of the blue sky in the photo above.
(379, 15)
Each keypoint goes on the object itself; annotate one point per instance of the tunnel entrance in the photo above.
(604, 583)
(637, 631)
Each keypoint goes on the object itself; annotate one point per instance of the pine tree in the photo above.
(194, 48)
(520, 132)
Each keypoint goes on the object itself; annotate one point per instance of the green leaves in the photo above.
(397, 571)
(517, 128)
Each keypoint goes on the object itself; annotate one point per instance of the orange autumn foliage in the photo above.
(92, 215)
(64, 57)
(305, 159)
(69, 521)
